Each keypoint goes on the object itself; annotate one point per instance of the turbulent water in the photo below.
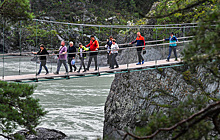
(76, 106)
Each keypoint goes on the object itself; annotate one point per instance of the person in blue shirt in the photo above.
(172, 39)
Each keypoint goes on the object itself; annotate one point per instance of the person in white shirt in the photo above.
(114, 53)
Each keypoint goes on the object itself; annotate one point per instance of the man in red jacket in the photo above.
(140, 42)
(94, 45)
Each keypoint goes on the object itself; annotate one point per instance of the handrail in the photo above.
(154, 41)
(87, 52)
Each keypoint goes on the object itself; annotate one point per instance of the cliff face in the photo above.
(136, 93)
(125, 101)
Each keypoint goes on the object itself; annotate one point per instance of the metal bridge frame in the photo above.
(167, 26)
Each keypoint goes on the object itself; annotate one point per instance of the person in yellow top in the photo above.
(82, 55)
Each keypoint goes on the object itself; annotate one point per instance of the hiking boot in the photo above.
(56, 73)
(142, 62)
(138, 63)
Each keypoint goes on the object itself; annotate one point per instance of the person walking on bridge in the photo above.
(108, 47)
(43, 59)
(114, 53)
(140, 42)
(82, 55)
(172, 39)
(71, 49)
(62, 58)
(94, 45)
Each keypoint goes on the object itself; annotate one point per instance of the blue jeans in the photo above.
(59, 63)
(43, 64)
(170, 50)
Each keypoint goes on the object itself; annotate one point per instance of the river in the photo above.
(76, 106)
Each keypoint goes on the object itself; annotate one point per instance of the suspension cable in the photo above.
(116, 26)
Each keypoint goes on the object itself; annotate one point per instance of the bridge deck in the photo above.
(106, 69)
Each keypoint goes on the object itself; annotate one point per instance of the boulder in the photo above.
(42, 134)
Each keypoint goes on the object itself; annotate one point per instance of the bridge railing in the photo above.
(27, 63)
(24, 62)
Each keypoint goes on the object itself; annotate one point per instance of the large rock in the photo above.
(136, 94)
(43, 134)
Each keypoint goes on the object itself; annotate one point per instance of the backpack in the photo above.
(73, 62)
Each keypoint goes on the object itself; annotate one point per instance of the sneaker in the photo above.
(78, 71)
(75, 69)
(87, 69)
(70, 71)
(84, 71)
(138, 63)
(142, 62)
(56, 73)
(168, 60)
(117, 67)
(47, 73)
(176, 59)
(37, 74)
(95, 69)
(66, 73)
(111, 68)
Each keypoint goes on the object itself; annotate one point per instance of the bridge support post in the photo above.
(51, 69)
(19, 71)
(156, 47)
(36, 47)
(3, 72)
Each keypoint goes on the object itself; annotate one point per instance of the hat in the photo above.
(80, 43)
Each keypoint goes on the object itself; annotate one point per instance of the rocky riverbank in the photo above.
(42, 134)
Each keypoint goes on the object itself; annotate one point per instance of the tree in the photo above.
(18, 108)
(195, 116)
(15, 10)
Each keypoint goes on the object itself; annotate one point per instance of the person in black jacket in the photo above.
(43, 59)
(71, 49)
(108, 47)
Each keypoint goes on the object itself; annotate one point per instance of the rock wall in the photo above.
(136, 93)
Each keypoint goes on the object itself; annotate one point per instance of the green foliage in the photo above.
(18, 107)
(204, 51)
(201, 70)
(170, 117)
(179, 11)
(15, 10)
(70, 10)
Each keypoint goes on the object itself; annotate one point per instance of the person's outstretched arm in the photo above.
(133, 42)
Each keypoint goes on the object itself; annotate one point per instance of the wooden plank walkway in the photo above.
(133, 66)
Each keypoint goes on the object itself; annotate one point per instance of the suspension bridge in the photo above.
(128, 66)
